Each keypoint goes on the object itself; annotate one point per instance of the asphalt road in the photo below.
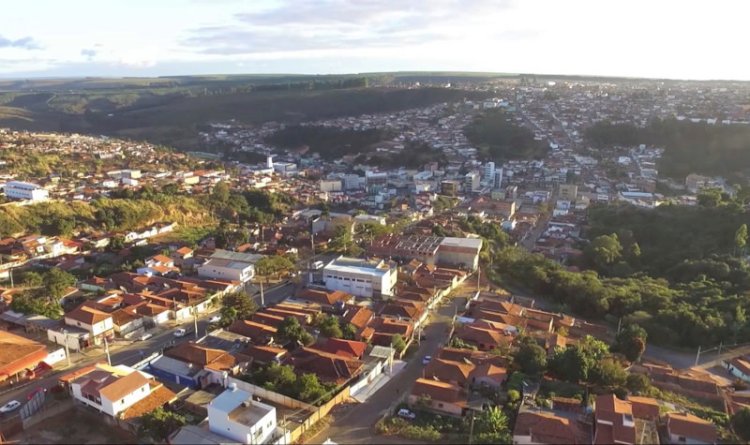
(130, 353)
(356, 424)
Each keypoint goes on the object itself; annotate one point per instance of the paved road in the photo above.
(129, 353)
(356, 424)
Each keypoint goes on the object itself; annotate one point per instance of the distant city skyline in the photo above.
(637, 38)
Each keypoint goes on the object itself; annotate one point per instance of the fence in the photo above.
(319, 414)
(274, 397)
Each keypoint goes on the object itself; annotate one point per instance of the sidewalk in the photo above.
(365, 393)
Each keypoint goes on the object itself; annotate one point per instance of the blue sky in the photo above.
(645, 38)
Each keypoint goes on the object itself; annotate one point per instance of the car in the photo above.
(33, 393)
(215, 319)
(10, 406)
(180, 332)
(426, 359)
(406, 414)
(145, 336)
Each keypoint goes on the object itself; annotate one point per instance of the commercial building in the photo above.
(471, 181)
(488, 173)
(450, 187)
(18, 355)
(432, 250)
(361, 278)
(25, 190)
(232, 266)
(568, 192)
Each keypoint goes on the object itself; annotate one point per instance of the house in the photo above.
(441, 397)
(689, 429)
(328, 300)
(614, 421)
(235, 417)
(197, 366)
(545, 427)
(260, 334)
(111, 389)
(127, 322)
(328, 367)
(19, 356)
(361, 278)
(99, 324)
(158, 265)
(484, 338)
(345, 348)
(228, 265)
(181, 255)
(265, 355)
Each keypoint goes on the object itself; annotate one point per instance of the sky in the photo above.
(685, 39)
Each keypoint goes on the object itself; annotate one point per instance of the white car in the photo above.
(215, 319)
(426, 359)
(406, 414)
(145, 336)
(180, 332)
(10, 406)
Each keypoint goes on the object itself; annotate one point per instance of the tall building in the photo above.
(497, 182)
(488, 173)
(449, 187)
(471, 181)
(269, 161)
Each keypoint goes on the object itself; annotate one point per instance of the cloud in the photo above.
(305, 25)
(24, 43)
(88, 53)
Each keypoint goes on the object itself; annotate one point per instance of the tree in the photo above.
(491, 427)
(56, 282)
(631, 342)
(160, 423)
(220, 193)
(605, 250)
(329, 327)
(709, 197)
(739, 322)
(276, 376)
(398, 343)
(228, 315)
(32, 279)
(638, 384)
(571, 364)
(291, 331)
(349, 332)
(117, 243)
(309, 388)
(740, 238)
(273, 265)
(741, 423)
(241, 303)
(609, 372)
(531, 357)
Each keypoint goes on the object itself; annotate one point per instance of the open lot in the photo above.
(77, 427)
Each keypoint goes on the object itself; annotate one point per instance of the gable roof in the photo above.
(448, 370)
(86, 314)
(611, 409)
(123, 386)
(346, 348)
(439, 391)
(547, 427)
(359, 316)
(690, 426)
(328, 367)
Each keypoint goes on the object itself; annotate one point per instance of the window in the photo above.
(122, 401)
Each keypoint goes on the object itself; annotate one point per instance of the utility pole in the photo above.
(10, 272)
(471, 428)
(698, 355)
(262, 295)
(67, 348)
(106, 350)
(195, 321)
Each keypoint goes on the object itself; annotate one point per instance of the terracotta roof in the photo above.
(87, 314)
(449, 371)
(258, 332)
(438, 391)
(264, 354)
(358, 316)
(546, 427)
(184, 251)
(691, 427)
(323, 297)
(123, 386)
(644, 407)
(346, 348)
(741, 364)
(268, 319)
(19, 353)
(490, 371)
(200, 355)
(158, 397)
(328, 367)
(161, 259)
(611, 409)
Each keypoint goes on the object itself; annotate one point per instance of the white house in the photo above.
(111, 389)
(361, 278)
(25, 190)
(235, 415)
(227, 265)
(740, 368)
(99, 324)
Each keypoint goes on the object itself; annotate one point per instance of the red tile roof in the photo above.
(691, 427)
(346, 348)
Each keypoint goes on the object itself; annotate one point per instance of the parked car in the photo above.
(406, 414)
(33, 393)
(145, 336)
(180, 332)
(215, 319)
(10, 406)
(426, 359)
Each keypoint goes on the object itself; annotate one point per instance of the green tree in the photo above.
(32, 279)
(605, 250)
(571, 364)
(228, 315)
(609, 372)
(220, 193)
(638, 384)
(160, 423)
(56, 282)
(739, 321)
(741, 423)
(273, 265)
(631, 342)
(277, 377)
(491, 427)
(349, 332)
(291, 331)
(117, 243)
(309, 388)
(329, 327)
(740, 238)
(244, 306)
(709, 197)
(531, 357)
(398, 343)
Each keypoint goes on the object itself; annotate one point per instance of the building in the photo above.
(450, 187)
(488, 173)
(440, 397)
(568, 192)
(545, 427)
(109, 389)
(19, 356)
(330, 185)
(236, 416)
(431, 250)
(689, 429)
(99, 324)
(614, 421)
(227, 265)
(459, 252)
(740, 368)
(361, 278)
(25, 190)
(471, 182)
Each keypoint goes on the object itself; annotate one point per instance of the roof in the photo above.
(19, 353)
(644, 407)
(611, 409)
(359, 316)
(123, 386)
(87, 315)
(442, 391)
(158, 397)
(327, 366)
(264, 354)
(547, 427)
(322, 296)
(248, 258)
(690, 426)
(200, 355)
(346, 348)
(449, 371)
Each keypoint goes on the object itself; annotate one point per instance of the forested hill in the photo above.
(689, 147)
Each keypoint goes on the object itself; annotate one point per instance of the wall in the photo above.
(274, 397)
(129, 400)
(55, 356)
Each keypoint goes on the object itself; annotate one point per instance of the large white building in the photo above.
(488, 173)
(25, 190)
(361, 278)
(232, 266)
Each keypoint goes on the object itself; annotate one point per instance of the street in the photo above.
(356, 425)
(125, 352)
